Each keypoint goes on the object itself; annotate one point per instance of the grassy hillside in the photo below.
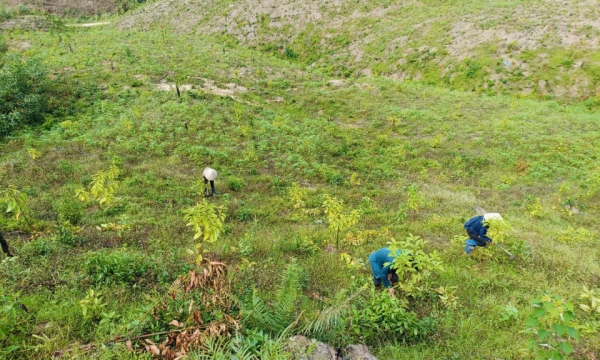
(413, 158)
(539, 49)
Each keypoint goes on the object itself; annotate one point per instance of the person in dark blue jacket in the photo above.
(477, 229)
(383, 274)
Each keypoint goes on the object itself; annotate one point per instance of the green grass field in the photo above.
(274, 127)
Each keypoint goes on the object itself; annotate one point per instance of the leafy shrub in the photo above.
(3, 44)
(66, 233)
(207, 221)
(575, 236)
(553, 326)
(38, 247)
(13, 321)
(120, 266)
(413, 265)
(24, 88)
(235, 184)
(69, 209)
(385, 317)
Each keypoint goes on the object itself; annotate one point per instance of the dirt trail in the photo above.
(90, 24)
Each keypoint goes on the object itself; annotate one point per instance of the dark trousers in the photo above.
(4, 246)
(481, 241)
(212, 187)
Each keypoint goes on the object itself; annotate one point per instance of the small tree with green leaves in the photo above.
(338, 221)
(413, 265)
(207, 221)
(533, 207)
(102, 188)
(414, 199)
(553, 324)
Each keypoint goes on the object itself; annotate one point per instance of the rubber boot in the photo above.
(470, 245)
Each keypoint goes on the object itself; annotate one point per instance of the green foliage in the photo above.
(553, 324)
(92, 304)
(457, 148)
(119, 266)
(102, 188)
(336, 318)
(509, 314)
(66, 233)
(534, 208)
(279, 314)
(575, 236)
(207, 221)
(235, 183)
(3, 44)
(414, 198)
(15, 202)
(24, 95)
(591, 298)
(385, 317)
(254, 344)
(13, 322)
(414, 266)
(338, 221)
(69, 209)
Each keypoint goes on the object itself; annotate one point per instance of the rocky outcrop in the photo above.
(303, 348)
(357, 352)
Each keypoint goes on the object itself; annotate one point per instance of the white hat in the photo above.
(209, 174)
(494, 216)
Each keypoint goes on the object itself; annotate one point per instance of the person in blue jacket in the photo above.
(477, 229)
(383, 274)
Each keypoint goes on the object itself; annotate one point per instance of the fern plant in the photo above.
(281, 313)
(330, 323)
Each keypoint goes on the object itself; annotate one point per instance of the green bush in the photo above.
(235, 184)
(3, 44)
(118, 266)
(66, 233)
(13, 322)
(24, 88)
(38, 247)
(70, 209)
(385, 318)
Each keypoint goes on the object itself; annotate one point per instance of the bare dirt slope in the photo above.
(540, 47)
(73, 7)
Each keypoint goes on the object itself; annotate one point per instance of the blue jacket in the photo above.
(377, 260)
(476, 227)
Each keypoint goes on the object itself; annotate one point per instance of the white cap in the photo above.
(209, 174)
(494, 216)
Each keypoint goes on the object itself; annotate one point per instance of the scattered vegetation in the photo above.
(115, 253)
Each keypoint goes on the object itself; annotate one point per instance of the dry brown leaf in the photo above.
(176, 323)
(154, 350)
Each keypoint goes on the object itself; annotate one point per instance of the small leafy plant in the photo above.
(413, 265)
(207, 222)
(118, 266)
(554, 327)
(338, 221)
(15, 202)
(102, 188)
(591, 298)
(414, 199)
